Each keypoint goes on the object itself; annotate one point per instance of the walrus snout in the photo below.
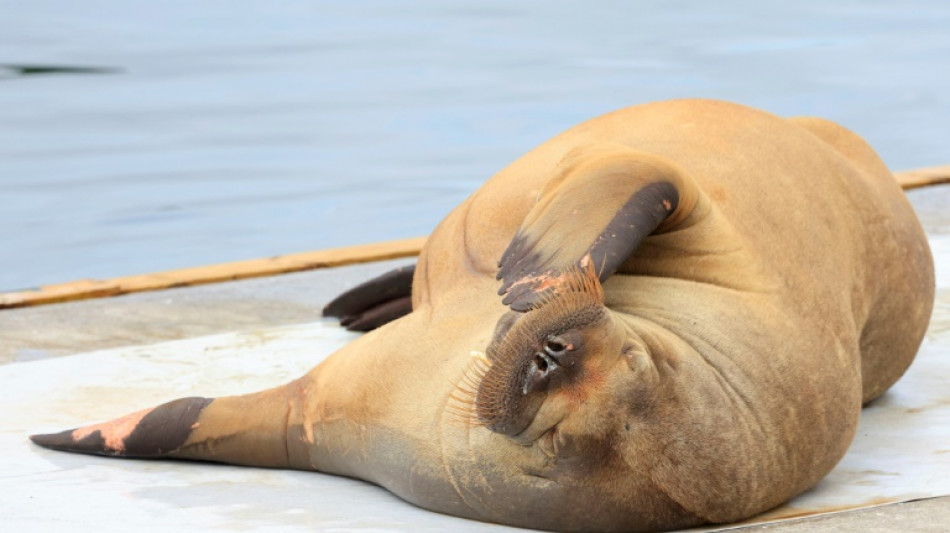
(521, 377)
(535, 353)
(507, 403)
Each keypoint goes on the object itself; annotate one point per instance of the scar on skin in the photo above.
(551, 282)
(307, 424)
(115, 432)
(547, 280)
(543, 281)
(535, 280)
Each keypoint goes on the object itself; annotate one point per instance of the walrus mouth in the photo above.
(503, 388)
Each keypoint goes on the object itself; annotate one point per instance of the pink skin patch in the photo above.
(114, 432)
(540, 282)
(546, 280)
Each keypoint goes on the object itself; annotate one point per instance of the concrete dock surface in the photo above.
(42, 333)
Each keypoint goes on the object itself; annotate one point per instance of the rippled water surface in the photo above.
(143, 136)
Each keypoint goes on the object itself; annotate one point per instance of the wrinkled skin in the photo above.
(782, 281)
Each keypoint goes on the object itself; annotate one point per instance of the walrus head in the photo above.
(540, 365)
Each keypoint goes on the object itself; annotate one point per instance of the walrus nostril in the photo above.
(542, 363)
(539, 373)
(555, 348)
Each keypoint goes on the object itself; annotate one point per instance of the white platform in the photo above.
(902, 450)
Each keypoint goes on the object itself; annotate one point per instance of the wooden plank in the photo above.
(269, 266)
(82, 289)
(922, 177)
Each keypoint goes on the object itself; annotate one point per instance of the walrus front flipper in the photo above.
(604, 203)
(248, 430)
(375, 302)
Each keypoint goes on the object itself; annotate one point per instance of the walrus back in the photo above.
(899, 277)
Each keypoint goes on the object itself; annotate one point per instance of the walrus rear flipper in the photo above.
(375, 302)
(605, 202)
(248, 430)
(147, 433)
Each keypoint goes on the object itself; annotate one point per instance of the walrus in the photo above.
(666, 316)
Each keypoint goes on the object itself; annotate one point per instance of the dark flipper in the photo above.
(150, 433)
(375, 302)
(250, 430)
(605, 203)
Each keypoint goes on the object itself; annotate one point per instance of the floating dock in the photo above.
(95, 358)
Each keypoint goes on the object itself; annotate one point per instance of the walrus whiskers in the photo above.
(569, 300)
(460, 408)
(479, 395)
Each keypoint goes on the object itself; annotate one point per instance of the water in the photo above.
(226, 130)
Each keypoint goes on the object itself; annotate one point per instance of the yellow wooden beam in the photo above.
(282, 264)
(922, 177)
